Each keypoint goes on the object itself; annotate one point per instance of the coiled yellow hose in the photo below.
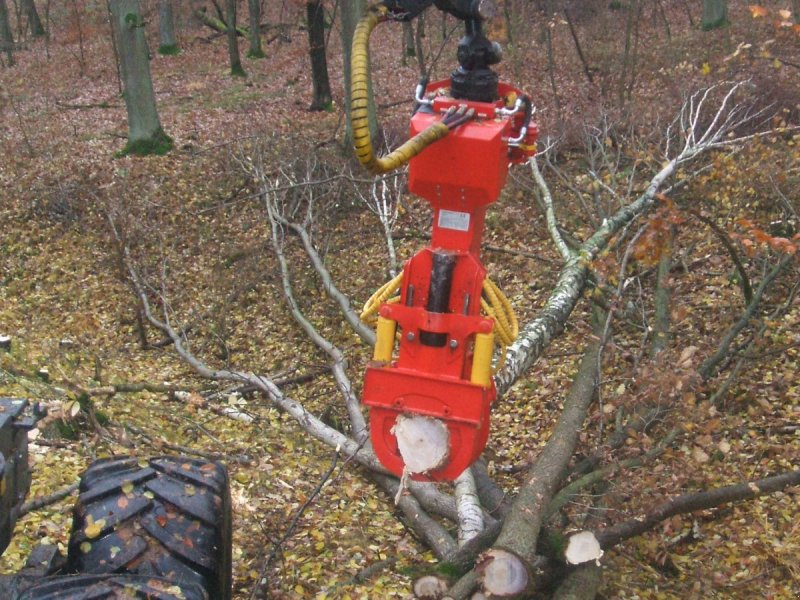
(359, 105)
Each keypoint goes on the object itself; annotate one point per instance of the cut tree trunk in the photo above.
(145, 135)
(233, 44)
(319, 64)
(168, 45)
(6, 39)
(254, 13)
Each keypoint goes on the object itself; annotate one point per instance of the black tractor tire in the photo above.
(112, 587)
(166, 517)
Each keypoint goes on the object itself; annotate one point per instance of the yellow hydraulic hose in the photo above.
(359, 111)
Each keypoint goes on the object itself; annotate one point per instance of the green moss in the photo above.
(238, 71)
(169, 50)
(256, 53)
(159, 145)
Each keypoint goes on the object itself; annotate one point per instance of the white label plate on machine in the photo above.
(451, 219)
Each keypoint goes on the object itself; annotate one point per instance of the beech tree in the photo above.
(237, 70)
(145, 135)
(254, 35)
(315, 14)
(6, 38)
(168, 45)
(34, 22)
(715, 13)
(514, 545)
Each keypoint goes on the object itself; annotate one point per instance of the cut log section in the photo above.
(583, 547)
(502, 574)
(423, 442)
(430, 587)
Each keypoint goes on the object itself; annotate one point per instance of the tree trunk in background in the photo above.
(715, 14)
(255, 51)
(6, 39)
(409, 48)
(34, 22)
(233, 44)
(166, 29)
(796, 11)
(145, 135)
(319, 63)
(352, 11)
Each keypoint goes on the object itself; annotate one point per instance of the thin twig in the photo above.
(276, 547)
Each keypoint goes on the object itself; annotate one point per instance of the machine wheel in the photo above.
(112, 587)
(167, 517)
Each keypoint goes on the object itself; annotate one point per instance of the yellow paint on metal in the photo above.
(482, 360)
(384, 340)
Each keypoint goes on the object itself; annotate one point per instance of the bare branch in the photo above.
(552, 224)
(612, 536)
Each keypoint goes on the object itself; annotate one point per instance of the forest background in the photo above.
(695, 384)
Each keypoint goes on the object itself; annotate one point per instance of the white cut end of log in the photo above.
(424, 442)
(583, 547)
(5, 342)
(502, 574)
(430, 587)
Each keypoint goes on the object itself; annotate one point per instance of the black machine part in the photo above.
(405, 10)
(167, 517)
(473, 79)
(111, 587)
(15, 475)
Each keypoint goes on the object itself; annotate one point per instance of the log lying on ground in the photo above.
(503, 574)
(520, 531)
(612, 536)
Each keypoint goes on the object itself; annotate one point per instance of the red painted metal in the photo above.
(460, 176)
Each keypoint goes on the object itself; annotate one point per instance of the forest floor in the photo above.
(66, 304)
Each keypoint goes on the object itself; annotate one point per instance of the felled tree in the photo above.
(145, 135)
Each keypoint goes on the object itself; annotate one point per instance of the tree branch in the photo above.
(612, 536)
